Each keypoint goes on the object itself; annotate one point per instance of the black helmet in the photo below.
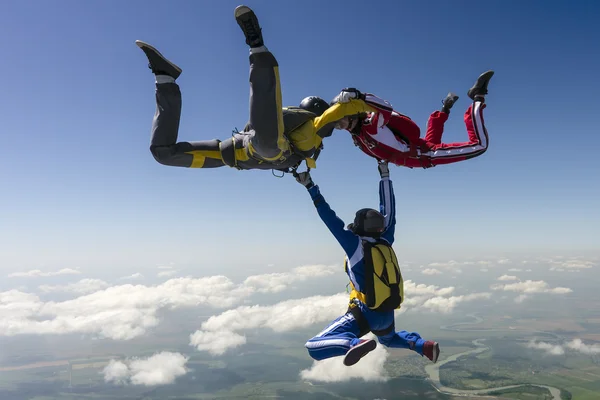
(368, 222)
(314, 104)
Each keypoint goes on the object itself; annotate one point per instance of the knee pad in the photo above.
(161, 154)
(227, 148)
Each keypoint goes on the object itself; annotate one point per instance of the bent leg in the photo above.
(446, 153)
(403, 340)
(435, 128)
(203, 154)
(165, 127)
(335, 340)
(404, 127)
(266, 115)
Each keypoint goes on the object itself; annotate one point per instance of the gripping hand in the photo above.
(346, 95)
(304, 179)
(384, 171)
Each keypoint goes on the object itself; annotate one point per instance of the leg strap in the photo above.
(363, 325)
(227, 148)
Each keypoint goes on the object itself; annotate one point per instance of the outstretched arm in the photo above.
(348, 240)
(387, 202)
(350, 102)
(338, 111)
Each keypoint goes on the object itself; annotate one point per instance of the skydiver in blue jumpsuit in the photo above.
(342, 337)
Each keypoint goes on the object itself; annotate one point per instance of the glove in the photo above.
(346, 95)
(305, 180)
(384, 171)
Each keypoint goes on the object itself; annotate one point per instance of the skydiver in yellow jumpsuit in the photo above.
(275, 137)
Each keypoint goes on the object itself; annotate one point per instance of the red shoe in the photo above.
(359, 351)
(431, 350)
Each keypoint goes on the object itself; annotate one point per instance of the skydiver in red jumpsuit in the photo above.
(388, 135)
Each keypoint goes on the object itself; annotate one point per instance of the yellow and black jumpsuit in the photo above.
(270, 140)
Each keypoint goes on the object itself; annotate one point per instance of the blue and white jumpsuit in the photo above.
(344, 332)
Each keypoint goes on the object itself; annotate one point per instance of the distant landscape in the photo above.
(269, 365)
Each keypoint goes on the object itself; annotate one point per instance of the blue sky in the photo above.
(81, 189)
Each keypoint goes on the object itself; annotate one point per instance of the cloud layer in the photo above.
(84, 286)
(221, 332)
(556, 263)
(527, 288)
(127, 311)
(34, 273)
(530, 287)
(575, 345)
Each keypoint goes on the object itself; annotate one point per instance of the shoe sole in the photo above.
(241, 10)
(436, 352)
(357, 352)
(482, 81)
(141, 45)
(454, 98)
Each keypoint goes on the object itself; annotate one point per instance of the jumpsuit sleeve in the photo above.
(387, 207)
(341, 110)
(348, 240)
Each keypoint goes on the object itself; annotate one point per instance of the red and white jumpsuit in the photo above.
(388, 135)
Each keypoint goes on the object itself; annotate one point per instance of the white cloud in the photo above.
(277, 282)
(116, 372)
(451, 266)
(137, 275)
(34, 273)
(515, 270)
(280, 317)
(547, 347)
(16, 305)
(571, 264)
(431, 271)
(159, 369)
(216, 342)
(530, 286)
(503, 261)
(508, 278)
(521, 298)
(370, 368)
(119, 312)
(164, 274)
(578, 345)
(446, 305)
(575, 345)
(450, 263)
(413, 289)
(484, 270)
(82, 287)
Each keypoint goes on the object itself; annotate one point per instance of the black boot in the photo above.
(157, 62)
(448, 102)
(480, 88)
(247, 20)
